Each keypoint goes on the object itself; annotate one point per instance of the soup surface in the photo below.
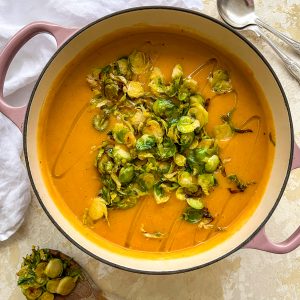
(69, 145)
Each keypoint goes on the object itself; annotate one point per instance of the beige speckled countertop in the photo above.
(247, 274)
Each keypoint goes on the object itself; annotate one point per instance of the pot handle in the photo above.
(262, 242)
(17, 114)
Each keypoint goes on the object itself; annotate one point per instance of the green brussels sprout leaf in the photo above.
(145, 142)
(160, 194)
(220, 82)
(139, 62)
(187, 124)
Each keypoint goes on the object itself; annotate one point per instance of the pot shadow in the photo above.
(205, 283)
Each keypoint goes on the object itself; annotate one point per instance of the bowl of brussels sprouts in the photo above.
(48, 274)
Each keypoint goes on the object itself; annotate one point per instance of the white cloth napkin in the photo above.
(24, 70)
(14, 183)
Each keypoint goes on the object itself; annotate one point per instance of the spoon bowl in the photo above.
(237, 13)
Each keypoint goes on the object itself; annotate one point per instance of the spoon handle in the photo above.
(294, 44)
(289, 63)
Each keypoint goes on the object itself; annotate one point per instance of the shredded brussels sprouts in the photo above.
(220, 82)
(46, 273)
(152, 235)
(156, 142)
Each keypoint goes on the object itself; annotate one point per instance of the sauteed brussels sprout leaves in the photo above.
(156, 139)
(241, 186)
(45, 273)
(194, 216)
(220, 81)
(135, 89)
(139, 62)
(100, 122)
(152, 235)
(227, 119)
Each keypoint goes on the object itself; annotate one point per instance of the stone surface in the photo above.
(247, 274)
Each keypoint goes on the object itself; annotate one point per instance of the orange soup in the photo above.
(187, 88)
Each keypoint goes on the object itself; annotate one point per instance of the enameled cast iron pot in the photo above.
(72, 41)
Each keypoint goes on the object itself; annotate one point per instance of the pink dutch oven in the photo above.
(72, 41)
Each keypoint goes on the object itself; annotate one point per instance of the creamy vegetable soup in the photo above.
(156, 141)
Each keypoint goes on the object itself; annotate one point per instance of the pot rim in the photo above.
(199, 14)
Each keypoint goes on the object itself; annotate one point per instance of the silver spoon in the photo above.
(240, 15)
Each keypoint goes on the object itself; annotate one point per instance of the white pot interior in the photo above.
(207, 29)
